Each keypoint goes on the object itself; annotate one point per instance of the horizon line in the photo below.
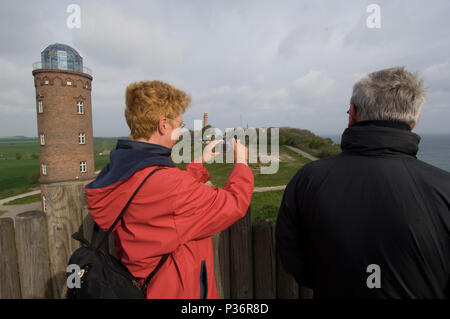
(318, 134)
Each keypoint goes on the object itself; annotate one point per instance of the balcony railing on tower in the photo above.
(38, 66)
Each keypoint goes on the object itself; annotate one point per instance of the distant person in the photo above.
(372, 221)
(174, 211)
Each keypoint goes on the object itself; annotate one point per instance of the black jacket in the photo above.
(374, 203)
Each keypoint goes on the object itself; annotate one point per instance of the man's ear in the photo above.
(353, 116)
(414, 125)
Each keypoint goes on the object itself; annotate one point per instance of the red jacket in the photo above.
(174, 212)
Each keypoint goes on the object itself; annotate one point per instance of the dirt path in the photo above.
(5, 200)
(13, 210)
(268, 189)
(276, 188)
(302, 153)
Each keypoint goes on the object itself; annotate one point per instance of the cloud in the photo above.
(314, 85)
(17, 100)
(269, 64)
(437, 77)
(112, 36)
(14, 96)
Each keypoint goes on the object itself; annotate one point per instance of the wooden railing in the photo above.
(35, 249)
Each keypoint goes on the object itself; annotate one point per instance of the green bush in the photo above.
(291, 139)
(19, 156)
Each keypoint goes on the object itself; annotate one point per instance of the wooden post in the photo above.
(221, 246)
(65, 203)
(287, 286)
(217, 264)
(224, 254)
(9, 269)
(32, 251)
(264, 260)
(241, 269)
(306, 293)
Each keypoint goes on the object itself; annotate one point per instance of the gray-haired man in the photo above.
(373, 221)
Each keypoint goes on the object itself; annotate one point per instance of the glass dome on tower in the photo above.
(62, 57)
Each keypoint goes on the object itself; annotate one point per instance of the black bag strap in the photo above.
(121, 213)
(147, 280)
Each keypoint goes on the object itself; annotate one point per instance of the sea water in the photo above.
(434, 149)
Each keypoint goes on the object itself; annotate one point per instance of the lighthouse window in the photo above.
(81, 138)
(80, 109)
(83, 167)
(69, 82)
(44, 169)
(40, 107)
(45, 203)
(42, 139)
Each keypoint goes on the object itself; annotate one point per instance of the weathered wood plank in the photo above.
(264, 260)
(33, 256)
(287, 286)
(221, 246)
(9, 268)
(65, 203)
(241, 267)
(306, 293)
(224, 254)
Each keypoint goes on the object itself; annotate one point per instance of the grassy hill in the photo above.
(309, 142)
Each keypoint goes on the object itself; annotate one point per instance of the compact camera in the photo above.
(226, 146)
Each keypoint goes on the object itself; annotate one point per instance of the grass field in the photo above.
(19, 176)
(265, 205)
(9, 147)
(290, 163)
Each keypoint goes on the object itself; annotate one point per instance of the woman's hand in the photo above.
(240, 152)
(208, 153)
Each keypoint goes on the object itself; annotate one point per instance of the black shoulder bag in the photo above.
(101, 275)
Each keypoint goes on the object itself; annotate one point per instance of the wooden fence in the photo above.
(35, 248)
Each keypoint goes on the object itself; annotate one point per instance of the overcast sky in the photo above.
(275, 63)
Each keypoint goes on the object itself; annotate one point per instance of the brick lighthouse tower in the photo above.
(205, 119)
(64, 117)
